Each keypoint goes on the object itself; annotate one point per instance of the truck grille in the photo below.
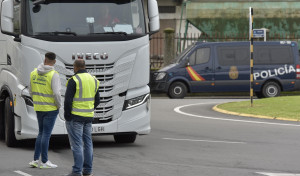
(114, 80)
(101, 78)
(93, 68)
(102, 120)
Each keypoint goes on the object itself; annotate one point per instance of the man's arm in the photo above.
(30, 90)
(70, 92)
(55, 85)
(97, 99)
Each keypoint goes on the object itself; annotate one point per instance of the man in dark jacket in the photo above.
(81, 98)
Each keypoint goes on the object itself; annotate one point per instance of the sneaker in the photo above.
(88, 175)
(34, 163)
(47, 165)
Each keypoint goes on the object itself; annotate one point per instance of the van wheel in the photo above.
(259, 95)
(177, 90)
(10, 138)
(271, 89)
(124, 138)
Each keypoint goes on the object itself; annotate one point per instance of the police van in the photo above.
(225, 67)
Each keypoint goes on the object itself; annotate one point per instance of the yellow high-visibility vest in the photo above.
(84, 98)
(42, 94)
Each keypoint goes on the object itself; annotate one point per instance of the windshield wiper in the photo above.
(57, 33)
(120, 33)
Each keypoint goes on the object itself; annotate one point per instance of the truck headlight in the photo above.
(160, 76)
(137, 101)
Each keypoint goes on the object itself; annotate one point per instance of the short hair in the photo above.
(79, 63)
(51, 56)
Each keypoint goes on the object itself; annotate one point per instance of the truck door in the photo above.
(232, 67)
(199, 70)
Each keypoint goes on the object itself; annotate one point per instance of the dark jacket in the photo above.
(70, 92)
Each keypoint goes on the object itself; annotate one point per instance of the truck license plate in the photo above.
(98, 129)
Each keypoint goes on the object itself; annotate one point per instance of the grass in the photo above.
(285, 107)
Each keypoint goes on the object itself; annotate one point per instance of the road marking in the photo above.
(196, 140)
(22, 173)
(277, 174)
(177, 109)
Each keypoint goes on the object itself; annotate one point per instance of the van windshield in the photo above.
(182, 54)
(84, 18)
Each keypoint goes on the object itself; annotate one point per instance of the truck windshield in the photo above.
(84, 18)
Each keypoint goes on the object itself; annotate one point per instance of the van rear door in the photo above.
(199, 70)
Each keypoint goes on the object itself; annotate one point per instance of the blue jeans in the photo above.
(46, 121)
(80, 137)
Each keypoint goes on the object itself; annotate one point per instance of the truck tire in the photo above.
(10, 138)
(2, 125)
(124, 138)
(271, 89)
(177, 90)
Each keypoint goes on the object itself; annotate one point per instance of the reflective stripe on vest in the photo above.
(86, 89)
(42, 94)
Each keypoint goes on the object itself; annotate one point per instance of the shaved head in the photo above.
(50, 59)
(79, 64)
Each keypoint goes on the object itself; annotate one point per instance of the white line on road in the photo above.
(177, 109)
(22, 173)
(277, 174)
(195, 140)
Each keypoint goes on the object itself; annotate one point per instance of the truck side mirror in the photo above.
(7, 15)
(153, 16)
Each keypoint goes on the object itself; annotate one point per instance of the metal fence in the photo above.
(157, 47)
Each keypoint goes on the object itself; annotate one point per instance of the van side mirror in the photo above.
(7, 15)
(186, 62)
(153, 16)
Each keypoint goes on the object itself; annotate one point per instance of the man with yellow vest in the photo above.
(45, 92)
(81, 98)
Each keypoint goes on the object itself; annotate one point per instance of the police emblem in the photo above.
(233, 73)
(34, 77)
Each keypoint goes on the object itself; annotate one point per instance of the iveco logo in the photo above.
(90, 56)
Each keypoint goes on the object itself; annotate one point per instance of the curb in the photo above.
(215, 108)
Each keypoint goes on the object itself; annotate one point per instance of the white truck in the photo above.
(117, 54)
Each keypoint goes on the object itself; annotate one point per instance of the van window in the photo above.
(192, 58)
(202, 55)
(233, 55)
(273, 55)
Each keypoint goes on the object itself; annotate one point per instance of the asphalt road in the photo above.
(187, 139)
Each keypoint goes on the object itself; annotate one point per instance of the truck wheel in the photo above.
(124, 138)
(10, 138)
(2, 129)
(271, 89)
(177, 90)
